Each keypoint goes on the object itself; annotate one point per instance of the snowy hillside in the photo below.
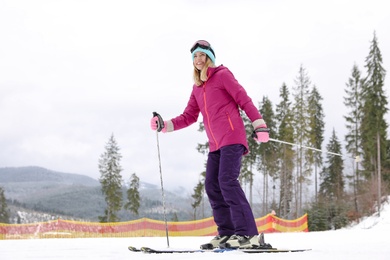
(379, 222)
(364, 241)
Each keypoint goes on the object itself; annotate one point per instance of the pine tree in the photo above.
(111, 180)
(316, 134)
(4, 213)
(353, 101)
(248, 163)
(133, 196)
(202, 148)
(267, 153)
(374, 126)
(332, 185)
(284, 118)
(197, 196)
(317, 217)
(302, 132)
(175, 218)
(386, 165)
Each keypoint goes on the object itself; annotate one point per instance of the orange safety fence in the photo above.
(143, 227)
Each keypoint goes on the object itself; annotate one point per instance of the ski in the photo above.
(149, 250)
(165, 251)
(272, 250)
(263, 248)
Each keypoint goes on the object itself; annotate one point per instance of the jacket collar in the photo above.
(212, 70)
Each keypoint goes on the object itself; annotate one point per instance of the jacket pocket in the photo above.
(230, 121)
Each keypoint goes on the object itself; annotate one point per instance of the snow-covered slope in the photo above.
(364, 241)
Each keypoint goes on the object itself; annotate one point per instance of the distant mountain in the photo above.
(39, 174)
(75, 196)
(30, 184)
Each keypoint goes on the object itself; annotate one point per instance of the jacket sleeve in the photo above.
(240, 96)
(188, 117)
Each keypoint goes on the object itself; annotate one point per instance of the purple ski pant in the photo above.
(231, 210)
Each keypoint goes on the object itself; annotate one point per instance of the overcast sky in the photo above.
(74, 72)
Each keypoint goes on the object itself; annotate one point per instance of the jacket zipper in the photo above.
(207, 115)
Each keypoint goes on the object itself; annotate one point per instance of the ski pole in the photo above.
(303, 146)
(298, 145)
(160, 126)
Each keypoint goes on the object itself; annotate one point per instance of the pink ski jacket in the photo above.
(219, 100)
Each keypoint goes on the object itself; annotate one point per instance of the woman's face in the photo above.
(199, 60)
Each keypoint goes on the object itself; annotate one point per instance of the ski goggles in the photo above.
(202, 44)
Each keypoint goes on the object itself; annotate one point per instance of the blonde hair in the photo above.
(200, 76)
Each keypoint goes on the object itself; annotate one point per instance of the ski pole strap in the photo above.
(259, 130)
(160, 121)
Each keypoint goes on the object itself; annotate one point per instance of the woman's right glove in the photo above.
(261, 134)
(157, 123)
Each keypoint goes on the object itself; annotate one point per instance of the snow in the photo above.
(365, 240)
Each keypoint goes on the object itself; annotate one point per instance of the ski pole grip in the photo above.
(160, 121)
(259, 130)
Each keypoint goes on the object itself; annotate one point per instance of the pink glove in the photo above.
(262, 134)
(154, 124)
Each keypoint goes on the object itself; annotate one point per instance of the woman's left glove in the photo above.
(261, 134)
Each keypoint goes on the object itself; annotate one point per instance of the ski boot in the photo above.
(214, 243)
(242, 242)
